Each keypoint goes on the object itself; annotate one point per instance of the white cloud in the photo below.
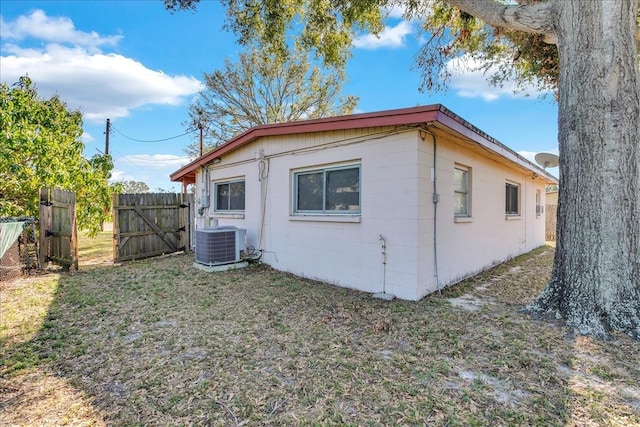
(390, 37)
(101, 85)
(471, 82)
(530, 155)
(39, 26)
(87, 137)
(119, 176)
(155, 161)
(154, 169)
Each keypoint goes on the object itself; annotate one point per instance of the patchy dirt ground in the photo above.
(158, 342)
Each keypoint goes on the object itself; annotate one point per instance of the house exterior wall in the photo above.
(397, 209)
(468, 245)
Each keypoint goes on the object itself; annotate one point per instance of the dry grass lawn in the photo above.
(158, 342)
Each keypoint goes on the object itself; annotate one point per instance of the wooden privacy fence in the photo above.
(58, 228)
(550, 222)
(150, 224)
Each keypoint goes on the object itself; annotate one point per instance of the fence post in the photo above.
(45, 224)
(115, 203)
(74, 234)
(185, 236)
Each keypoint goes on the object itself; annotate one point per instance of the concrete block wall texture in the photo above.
(396, 203)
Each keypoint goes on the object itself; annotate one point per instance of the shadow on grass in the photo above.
(159, 342)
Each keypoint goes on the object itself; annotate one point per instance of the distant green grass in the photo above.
(98, 247)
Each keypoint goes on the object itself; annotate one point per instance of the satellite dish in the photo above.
(547, 160)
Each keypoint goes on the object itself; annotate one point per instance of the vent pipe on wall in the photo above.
(384, 295)
(384, 264)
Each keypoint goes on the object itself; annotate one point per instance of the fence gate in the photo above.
(150, 224)
(58, 228)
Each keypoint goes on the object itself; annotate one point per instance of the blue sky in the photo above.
(140, 66)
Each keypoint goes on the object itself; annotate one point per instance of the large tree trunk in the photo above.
(595, 283)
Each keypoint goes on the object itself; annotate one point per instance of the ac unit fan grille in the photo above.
(219, 245)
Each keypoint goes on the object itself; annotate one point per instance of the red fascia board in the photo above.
(398, 117)
(406, 116)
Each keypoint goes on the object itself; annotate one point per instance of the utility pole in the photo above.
(107, 131)
(200, 127)
(106, 140)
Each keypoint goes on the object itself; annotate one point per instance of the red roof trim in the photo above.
(399, 117)
(354, 121)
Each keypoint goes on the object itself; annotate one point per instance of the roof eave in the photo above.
(354, 121)
(457, 124)
(416, 115)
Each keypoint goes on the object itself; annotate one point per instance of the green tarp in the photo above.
(9, 233)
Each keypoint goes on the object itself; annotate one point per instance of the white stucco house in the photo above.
(403, 201)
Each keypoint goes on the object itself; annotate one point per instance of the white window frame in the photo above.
(228, 209)
(324, 170)
(467, 194)
(508, 185)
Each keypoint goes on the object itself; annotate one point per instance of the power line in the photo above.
(151, 140)
(123, 157)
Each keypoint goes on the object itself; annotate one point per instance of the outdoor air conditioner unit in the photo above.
(220, 245)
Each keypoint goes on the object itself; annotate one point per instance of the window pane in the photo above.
(460, 180)
(309, 187)
(222, 197)
(511, 198)
(461, 190)
(460, 204)
(236, 195)
(343, 190)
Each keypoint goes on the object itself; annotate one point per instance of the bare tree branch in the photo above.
(263, 88)
(536, 18)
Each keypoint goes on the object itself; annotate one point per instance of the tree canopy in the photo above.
(328, 29)
(325, 27)
(263, 88)
(503, 54)
(134, 187)
(40, 147)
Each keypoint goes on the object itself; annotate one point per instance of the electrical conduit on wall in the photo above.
(435, 199)
(263, 177)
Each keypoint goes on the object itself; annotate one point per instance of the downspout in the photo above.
(435, 199)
